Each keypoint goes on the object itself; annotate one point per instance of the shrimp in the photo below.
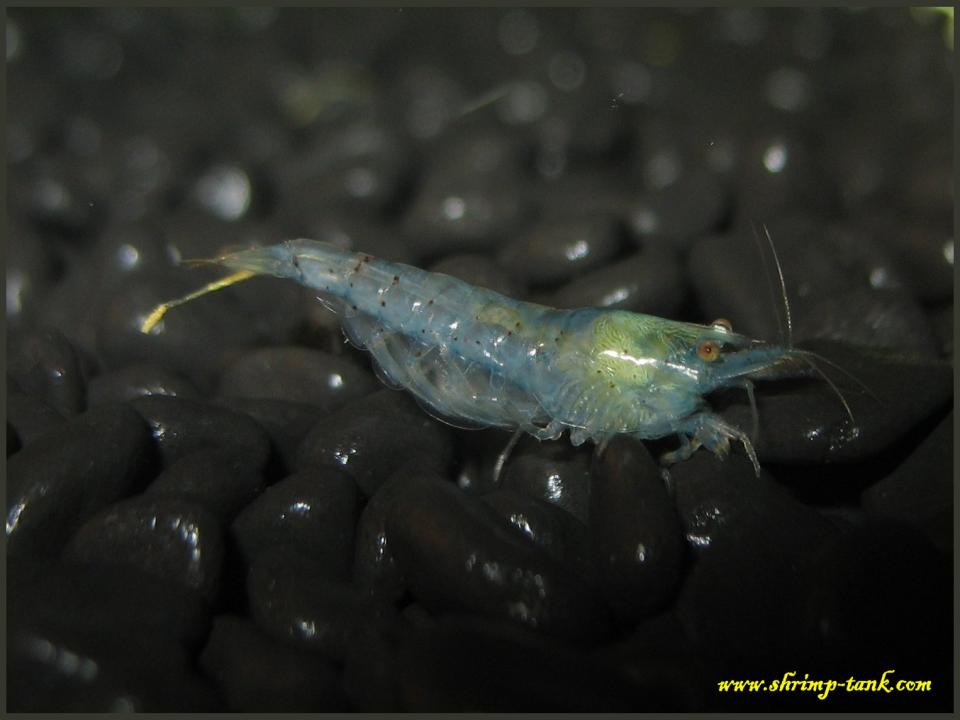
(475, 358)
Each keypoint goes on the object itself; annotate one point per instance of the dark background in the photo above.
(197, 518)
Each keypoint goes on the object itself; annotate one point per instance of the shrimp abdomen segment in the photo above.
(456, 347)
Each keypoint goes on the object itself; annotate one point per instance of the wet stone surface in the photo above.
(294, 603)
(552, 472)
(558, 250)
(181, 427)
(71, 472)
(295, 374)
(221, 481)
(173, 539)
(137, 380)
(312, 513)
(371, 437)
(61, 656)
(456, 553)
(231, 513)
(635, 538)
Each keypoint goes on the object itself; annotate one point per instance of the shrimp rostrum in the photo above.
(475, 358)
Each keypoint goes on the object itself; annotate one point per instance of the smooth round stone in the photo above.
(28, 416)
(777, 175)
(295, 604)
(650, 282)
(128, 248)
(761, 574)
(715, 497)
(46, 366)
(919, 491)
(58, 198)
(555, 250)
(454, 211)
(177, 540)
(136, 381)
(286, 423)
(554, 472)
(546, 525)
(922, 250)
(468, 664)
(60, 594)
(360, 164)
(375, 435)
(219, 480)
(181, 427)
(64, 477)
(636, 540)
(255, 673)
(674, 216)
(480, 271)
(456, 553)
(375, 569)
(313, 513)
(103, 638)
(297, 374)
(806, 422)
(887, 319)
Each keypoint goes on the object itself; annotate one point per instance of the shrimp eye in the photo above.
(722, 324)
(708, 351)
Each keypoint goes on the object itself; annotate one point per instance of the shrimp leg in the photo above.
(708, 430)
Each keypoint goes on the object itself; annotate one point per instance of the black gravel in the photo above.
(232, 513)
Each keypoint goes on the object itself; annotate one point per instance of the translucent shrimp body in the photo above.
(476, 358)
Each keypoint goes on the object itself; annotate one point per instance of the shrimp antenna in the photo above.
(832, 385)
(783, 287)
(488, 98)
(838, 368)
(160, 310)
(766, 275)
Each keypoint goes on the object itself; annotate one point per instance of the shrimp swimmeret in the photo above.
(476, 358)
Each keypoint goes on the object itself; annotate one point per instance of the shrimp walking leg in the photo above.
(504, 456)
(714, 433)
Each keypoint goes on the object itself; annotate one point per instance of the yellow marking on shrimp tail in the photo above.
(160, 310)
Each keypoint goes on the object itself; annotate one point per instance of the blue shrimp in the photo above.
(475, 358)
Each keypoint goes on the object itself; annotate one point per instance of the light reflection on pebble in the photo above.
(775, 158)
(226, 191)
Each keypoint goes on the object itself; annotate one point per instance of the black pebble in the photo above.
(373, 436)
(635, 536)
(173, 539)
(182, 426)
(60, 480)
(313, 513)
(456, 553)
